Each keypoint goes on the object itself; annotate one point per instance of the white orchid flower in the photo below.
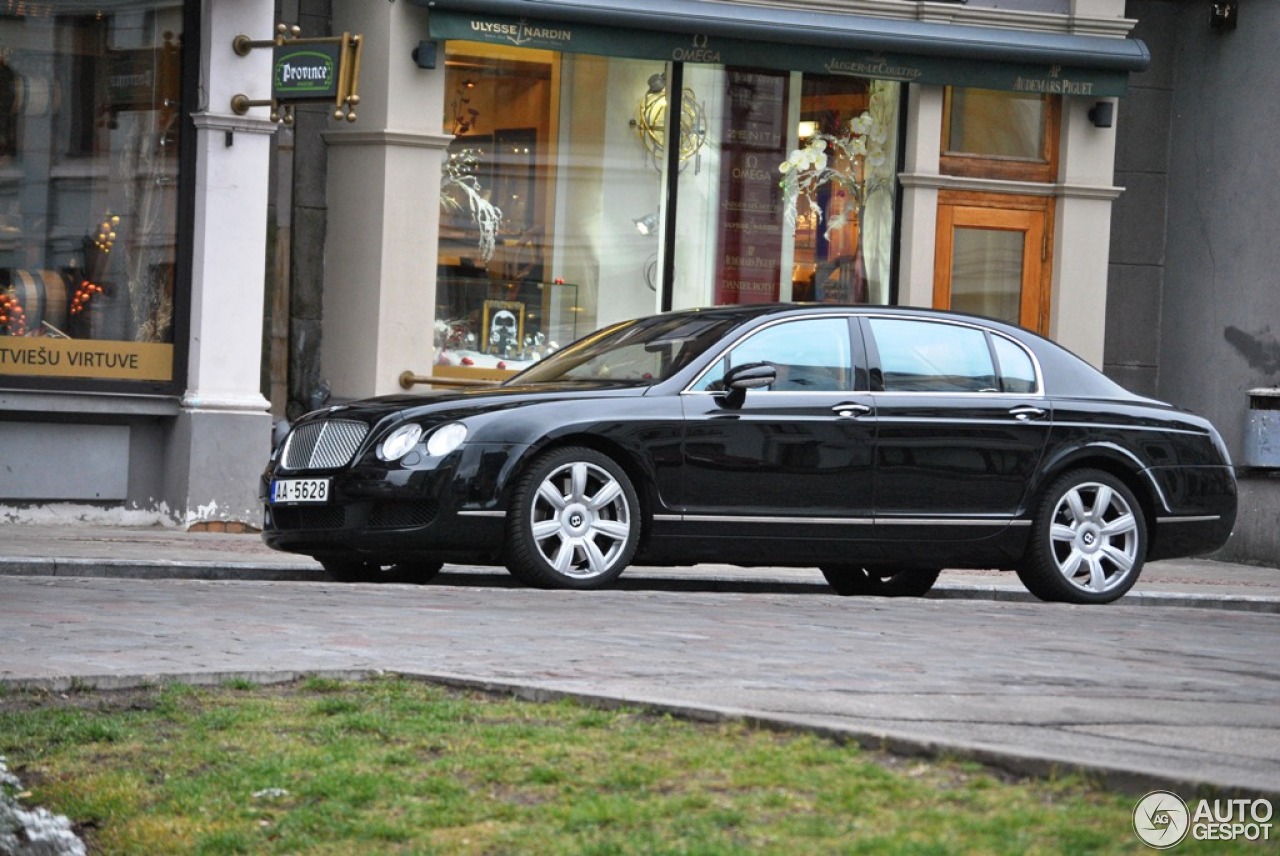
(862, 125)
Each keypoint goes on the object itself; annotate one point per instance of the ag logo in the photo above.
(1161, 819)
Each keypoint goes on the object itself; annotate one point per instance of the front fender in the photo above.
(643, 435)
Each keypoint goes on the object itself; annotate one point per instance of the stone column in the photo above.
(1082, 231)
(220, 441)
(920, 180)
(383, 207)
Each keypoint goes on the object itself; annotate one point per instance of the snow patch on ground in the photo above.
(34, 832)
(76, 514)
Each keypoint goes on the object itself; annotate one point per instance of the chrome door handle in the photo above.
(849, 409)
(1025, 413)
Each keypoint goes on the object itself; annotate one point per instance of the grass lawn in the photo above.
(399, 766)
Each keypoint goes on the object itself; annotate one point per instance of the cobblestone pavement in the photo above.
(1142, 694)
(155, 553)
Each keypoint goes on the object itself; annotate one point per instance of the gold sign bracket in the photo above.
(349, 50)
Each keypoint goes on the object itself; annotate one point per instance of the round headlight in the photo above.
(446, 438)
(399, 442)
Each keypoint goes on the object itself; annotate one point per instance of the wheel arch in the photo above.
(641, 481)
(1113, 460)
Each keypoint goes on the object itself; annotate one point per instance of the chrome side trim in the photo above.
(1203, 518)
(746, 518)
(841, 521)
(498, 514)
(950, 521)
(1114, 426)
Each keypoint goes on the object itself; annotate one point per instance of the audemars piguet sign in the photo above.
(301, 73)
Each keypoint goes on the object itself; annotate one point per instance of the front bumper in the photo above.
(449, 509)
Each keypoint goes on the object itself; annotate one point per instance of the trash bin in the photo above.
(1262, 429)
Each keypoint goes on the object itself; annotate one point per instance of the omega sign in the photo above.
(301, 73)
(699, 51)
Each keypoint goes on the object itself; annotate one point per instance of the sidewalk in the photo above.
(162, 553)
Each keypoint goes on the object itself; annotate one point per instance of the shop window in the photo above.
(825, 267)
(581, 190)
(997, 134)
(491, 292)
(89, 133)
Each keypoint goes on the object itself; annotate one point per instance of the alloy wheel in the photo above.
(1088, 540)
(576, 521)
(1094, 537)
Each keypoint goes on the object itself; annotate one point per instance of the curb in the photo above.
(711, 582)
(1029, 765)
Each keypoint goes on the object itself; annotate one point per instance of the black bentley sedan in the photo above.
(877, 444)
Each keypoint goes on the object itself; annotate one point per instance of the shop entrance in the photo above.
(993, 257)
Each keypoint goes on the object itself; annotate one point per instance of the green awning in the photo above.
(798, 40)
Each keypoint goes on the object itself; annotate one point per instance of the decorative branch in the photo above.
(459, 172)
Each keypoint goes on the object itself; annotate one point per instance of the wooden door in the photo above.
(993, 257)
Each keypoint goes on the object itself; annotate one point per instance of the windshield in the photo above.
(641, 352)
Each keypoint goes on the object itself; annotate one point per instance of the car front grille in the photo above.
(401, 515)
(326, 517)
(323, 445)
(381, 515)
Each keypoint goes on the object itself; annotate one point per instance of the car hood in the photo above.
(456, 404)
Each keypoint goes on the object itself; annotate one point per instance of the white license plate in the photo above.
(300, 490)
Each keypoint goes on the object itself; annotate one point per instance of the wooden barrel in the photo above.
(43, 297)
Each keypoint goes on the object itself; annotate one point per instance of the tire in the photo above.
(849, 580)
(354, 571)
(1088, 540)
(575, 521)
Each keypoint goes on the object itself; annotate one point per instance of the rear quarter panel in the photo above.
(1170, 459)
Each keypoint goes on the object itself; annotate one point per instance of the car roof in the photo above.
(1064, 371)
(748, 312)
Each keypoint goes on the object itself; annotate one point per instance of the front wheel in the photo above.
(355, 571)
(849, 580)
(575, 521)
(1088, 540)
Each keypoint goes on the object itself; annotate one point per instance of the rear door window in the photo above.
(932, 356)
(1017, 372)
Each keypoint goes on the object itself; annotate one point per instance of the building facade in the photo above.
(132, 234)
(1193, 308)
(519, 173)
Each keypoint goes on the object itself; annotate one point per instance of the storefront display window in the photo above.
(89, 133)
(555, 197)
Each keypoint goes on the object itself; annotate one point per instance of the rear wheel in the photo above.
(1088, 540)
(575, 521)
(355, 571)
(848, 580)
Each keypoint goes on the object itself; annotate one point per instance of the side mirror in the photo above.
(750, 376)
(739, 379)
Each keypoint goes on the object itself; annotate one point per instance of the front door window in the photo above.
(810, 355)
